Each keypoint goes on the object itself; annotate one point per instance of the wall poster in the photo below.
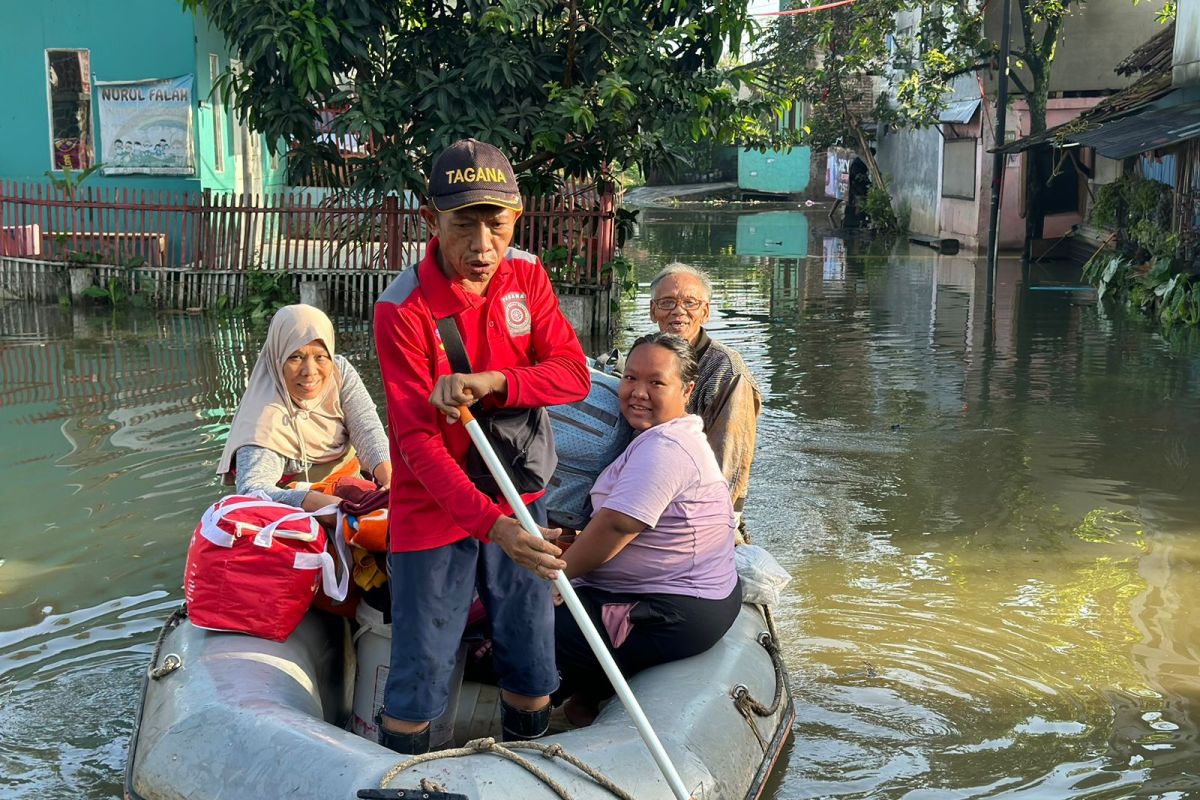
(837, 172)
(146, 126)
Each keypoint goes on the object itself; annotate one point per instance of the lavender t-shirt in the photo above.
(669, 479)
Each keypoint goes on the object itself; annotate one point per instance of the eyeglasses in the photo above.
(669, 303)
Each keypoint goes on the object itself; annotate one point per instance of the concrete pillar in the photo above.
(577, 309)
(315, 293)
(81, 278)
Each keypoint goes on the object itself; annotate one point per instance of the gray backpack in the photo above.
(588, 436)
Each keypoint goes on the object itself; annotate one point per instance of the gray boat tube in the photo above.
(233, 716)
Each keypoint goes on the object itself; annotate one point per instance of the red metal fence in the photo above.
(289, 231)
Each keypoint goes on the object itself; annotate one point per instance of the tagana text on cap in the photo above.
(473, 173)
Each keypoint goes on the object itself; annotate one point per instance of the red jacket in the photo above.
(516, 328)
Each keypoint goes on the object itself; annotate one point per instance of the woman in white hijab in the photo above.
(305, 416)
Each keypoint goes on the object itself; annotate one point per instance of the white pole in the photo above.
(577, 611)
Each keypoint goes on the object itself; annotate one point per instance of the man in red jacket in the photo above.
(448, 538)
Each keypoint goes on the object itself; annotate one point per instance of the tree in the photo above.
(1042, 23)
(832, 60)
(565, 88)
(817, 56)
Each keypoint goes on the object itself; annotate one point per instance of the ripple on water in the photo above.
(70, 689)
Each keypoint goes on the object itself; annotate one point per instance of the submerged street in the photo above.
(992, 523)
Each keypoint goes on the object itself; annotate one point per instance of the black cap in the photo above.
(473, 173)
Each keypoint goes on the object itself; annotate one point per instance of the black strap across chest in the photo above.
(447, 327)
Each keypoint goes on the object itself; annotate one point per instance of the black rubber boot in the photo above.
(413, 744)
(517, 725)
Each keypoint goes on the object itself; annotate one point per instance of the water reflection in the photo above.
(988, 509)
(112, 426)
(773, 233)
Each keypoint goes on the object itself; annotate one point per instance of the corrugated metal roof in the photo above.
(960, 112)
(1146, 130)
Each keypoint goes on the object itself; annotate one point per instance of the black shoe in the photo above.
(517, 725)
(413, 744)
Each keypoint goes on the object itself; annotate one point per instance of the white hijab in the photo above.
(310, 432)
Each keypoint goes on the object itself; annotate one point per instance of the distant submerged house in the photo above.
(944, 174)
(125, 84)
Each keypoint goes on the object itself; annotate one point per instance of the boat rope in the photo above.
(505, 750)
(172, 662)
(746, 704)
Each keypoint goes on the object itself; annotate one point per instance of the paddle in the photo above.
(577, 611)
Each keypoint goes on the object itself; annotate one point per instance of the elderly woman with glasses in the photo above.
(726, 396)
(654, 566)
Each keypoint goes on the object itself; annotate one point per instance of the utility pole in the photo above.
(998, 158)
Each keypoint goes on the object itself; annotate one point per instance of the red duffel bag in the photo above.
(254, 565)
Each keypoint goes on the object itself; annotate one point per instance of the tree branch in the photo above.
(1015, 78)
(968, 68)
(545, 157)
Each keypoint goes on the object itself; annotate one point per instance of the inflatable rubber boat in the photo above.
(225, 715)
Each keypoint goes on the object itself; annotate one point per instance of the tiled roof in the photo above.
(1140, 94)
(1155, 54)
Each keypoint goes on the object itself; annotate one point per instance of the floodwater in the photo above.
(991, 515)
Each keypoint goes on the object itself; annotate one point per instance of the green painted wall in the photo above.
(210, 42)
(126, 40)
(773, 171)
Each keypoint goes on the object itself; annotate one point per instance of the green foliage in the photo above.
(620, 271)
(1139, 211)
(566, 89)
(624, 224)
(1170, 297)
(562, 264)
(70, 180)
(1166, 13)
(904, 216)
(266, 293)
(630, 177)
(123, 289)
(827, 60)
(68, 184)
(880, 214)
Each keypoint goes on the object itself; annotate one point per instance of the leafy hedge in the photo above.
(1138, 210)
(1146, 273)
(1154, 288)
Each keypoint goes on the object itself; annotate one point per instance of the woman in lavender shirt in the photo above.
(654, 566)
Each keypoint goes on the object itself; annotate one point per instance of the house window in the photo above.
(69, 92)
(792, 119)
(218, 114)
(958, 168)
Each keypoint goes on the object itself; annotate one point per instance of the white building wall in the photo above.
(1187, 45)
(911, 161)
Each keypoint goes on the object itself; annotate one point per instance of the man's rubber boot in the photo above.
(517, 725)
(413, 744)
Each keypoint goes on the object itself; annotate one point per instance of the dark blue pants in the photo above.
(432, 591)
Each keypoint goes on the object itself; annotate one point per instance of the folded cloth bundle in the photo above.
(359, 497)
